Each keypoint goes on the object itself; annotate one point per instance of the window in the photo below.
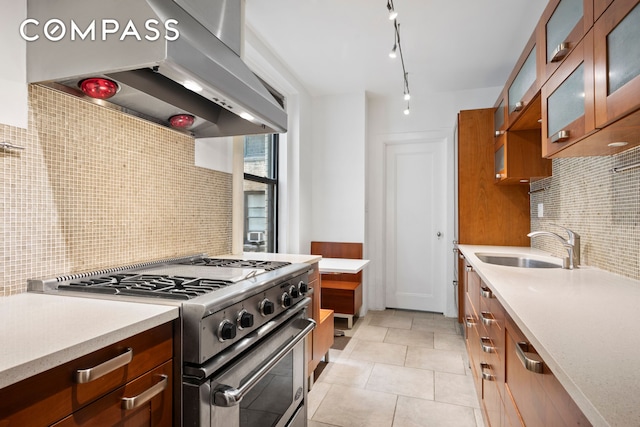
(260, 193)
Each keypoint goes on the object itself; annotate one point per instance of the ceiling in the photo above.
(342, 46)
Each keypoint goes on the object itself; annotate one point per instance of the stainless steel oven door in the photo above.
(265, 386)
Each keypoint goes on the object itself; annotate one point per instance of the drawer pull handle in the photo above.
(529, 360)
(519, 106)
(488, 318)
(147, 395)
(84, 376)
(486, 292)
(485, 375)
(486, 344)
(468, 320)
(560, 51)
(561, 136)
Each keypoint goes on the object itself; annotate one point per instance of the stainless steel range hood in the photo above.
(111, 38)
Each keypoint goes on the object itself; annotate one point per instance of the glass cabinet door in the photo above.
(617, 61)
(525, 78)
(567, 100)
(499, 116)
(563, 24)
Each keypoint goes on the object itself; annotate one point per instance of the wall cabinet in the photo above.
(562, 25)
(523, 82)
(567, 100)
(130, 382)
(518, 157)
(617, 61)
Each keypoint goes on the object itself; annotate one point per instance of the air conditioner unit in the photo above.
(255, 236)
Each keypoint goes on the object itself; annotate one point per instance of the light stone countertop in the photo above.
(39, 332)
(582, 322)
(268, 256)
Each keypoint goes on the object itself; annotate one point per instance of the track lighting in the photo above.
(392, 12)
(397, 47)
(393, 54)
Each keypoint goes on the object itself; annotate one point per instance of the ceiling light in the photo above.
(617, 144)
(193, 86)
(247, 116)
(393, 54)
(392, 12)
(407, 96)
(407, 110)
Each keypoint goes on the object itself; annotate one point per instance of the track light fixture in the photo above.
(397, 47)
(392, 11)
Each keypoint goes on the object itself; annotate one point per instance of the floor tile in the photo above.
(415, 314)
(378, 352)
(312, 423)
(438, 324)
(409, 337)
(392, 322)
(402, 381)
(315, 396)
(349, 372)
(353, 407)
(436, 360)
(448, 342)
(412, 412)
(371, 333)
(455, 389)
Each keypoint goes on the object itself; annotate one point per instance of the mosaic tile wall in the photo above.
(603, 207)
(95, 188)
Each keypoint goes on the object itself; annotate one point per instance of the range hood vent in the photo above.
(168, 57)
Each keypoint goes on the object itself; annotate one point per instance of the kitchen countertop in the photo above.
(582, 322)
(268, 256)
(39, 332)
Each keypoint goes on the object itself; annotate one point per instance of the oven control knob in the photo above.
(294, 292)
(285, 300)
(303, 287)
(245, 319)
(266, 307)
(226, 331)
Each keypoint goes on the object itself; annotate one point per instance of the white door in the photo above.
(415, 252)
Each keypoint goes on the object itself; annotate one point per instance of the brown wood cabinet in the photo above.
(568, 102)
(523, 84)
(488, 214)
(514, 385)
(540, 400)
(321, 338)
(617, 63)
(561, 27)
(70, 395)
(518, 157)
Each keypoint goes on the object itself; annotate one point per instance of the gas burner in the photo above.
(149, 285)
(237, 263)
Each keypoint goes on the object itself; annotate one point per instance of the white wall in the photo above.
(13, 73)
(338, 187)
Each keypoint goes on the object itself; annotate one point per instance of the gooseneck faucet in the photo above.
(572, 245)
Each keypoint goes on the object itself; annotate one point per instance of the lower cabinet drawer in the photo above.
(52, 395)
(146, 401)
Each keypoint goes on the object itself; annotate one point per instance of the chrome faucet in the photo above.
(572, 245)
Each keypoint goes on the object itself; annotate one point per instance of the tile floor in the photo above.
(400, 369)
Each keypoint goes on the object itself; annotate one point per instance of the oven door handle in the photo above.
(227, 396)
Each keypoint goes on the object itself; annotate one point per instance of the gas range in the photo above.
(221, 300)
(241, 322)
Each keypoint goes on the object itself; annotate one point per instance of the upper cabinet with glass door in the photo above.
(523, 84)
(568, 101)
(562, 25)
(617, 61)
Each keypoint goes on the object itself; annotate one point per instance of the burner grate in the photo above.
(159, 286)
(237, 263)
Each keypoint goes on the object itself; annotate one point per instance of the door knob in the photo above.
(439, 234)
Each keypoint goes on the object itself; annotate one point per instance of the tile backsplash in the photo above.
(603, 207)
(95, 188)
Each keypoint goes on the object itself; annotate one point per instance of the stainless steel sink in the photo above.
(515, 261)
